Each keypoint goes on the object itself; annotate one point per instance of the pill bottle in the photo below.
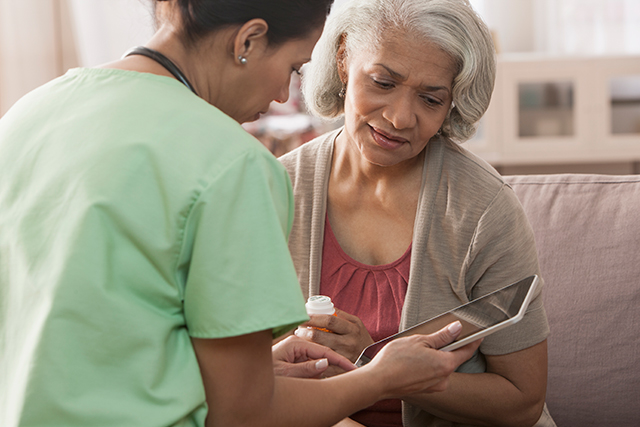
(320, 304)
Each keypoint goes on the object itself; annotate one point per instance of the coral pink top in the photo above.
(374, 293)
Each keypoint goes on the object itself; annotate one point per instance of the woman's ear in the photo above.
(341, 59)
(251, 36)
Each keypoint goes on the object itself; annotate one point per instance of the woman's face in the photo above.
(398, 95)
(269, 75)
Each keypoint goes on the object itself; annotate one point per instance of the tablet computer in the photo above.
(479, 318)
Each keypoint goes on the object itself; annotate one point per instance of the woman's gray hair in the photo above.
(451, 24)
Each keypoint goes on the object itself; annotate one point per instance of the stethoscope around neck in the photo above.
(164, 61)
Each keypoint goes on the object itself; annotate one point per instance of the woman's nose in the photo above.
(400, 112)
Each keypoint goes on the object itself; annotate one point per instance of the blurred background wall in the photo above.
(41, 39)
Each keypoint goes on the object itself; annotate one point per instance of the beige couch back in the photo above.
(587, 230)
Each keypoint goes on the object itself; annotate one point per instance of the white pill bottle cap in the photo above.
(319, 304)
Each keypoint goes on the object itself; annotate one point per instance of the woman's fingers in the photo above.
(295, 357)
(344, 333)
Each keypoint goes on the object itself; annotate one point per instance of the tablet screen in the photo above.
(480, 314)
(491, 309)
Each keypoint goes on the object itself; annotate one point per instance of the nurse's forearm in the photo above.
(242, 390)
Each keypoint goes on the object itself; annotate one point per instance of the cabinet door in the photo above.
(545, 111)
(617, 83)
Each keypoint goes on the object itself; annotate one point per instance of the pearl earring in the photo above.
(343, 91)
(242, 59)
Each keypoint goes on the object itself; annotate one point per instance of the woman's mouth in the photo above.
(385, 140)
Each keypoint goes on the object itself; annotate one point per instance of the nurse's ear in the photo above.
(250, 38)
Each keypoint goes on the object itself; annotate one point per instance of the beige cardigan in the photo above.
(471, 237)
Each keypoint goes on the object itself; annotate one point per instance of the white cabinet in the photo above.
(551, 111)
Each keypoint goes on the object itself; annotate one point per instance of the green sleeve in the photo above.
(241, 278)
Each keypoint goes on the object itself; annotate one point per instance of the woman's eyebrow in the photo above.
(400, 77)
(394, 74)
(435, 88)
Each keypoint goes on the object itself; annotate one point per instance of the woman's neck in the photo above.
(350, 166)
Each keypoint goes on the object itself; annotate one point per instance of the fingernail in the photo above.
(322, 364)
(455, 327)
(297, 332)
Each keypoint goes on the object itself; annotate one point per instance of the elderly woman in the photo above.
(397, 222)
(144, 266)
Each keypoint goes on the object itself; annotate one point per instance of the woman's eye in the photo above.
(432, 101)
(295, 70)
(383, 85)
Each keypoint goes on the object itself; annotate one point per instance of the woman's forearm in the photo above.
(480, 399)
(511, 393)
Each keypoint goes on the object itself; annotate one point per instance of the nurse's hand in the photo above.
(295, 357)
(347, 335)
(414, 365)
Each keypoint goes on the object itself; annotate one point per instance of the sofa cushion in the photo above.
(587, 230)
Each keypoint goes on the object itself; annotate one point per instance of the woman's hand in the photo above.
(295, 357)
(347, 335)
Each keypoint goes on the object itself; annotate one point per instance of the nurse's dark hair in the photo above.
(287, 19)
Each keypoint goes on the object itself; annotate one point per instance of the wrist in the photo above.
(377, 383)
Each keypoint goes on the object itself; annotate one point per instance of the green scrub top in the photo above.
(133, 216)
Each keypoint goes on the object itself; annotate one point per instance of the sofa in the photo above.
(587, 230)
